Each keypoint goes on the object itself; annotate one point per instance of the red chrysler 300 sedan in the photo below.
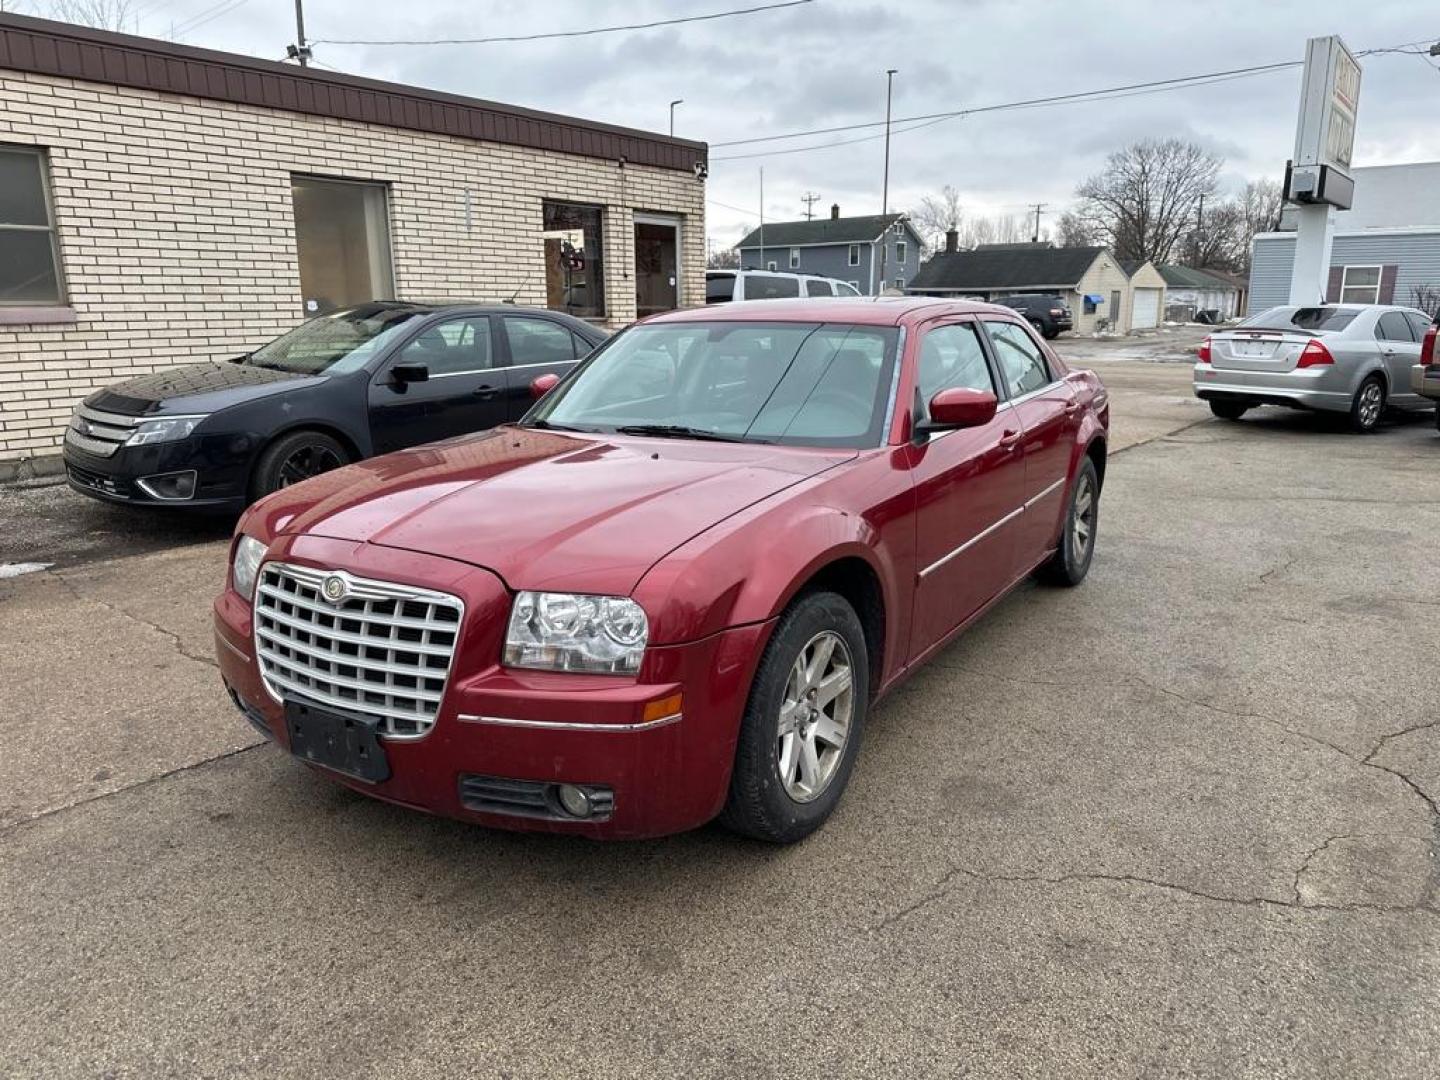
(674, 590)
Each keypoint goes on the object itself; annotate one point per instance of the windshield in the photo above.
(805, 384)
(1321, 320)
(340, 342)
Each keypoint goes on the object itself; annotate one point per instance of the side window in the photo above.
(1418, 323)
(583, 348)
(452, 347)
(1021, 360)
(952, 356)
(719, 288)
(819, 288)
(849, 288)
(537, 341)
(770, 287)
(1392, 326)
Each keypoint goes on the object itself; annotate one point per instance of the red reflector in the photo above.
(1427, 347)
(1314, 354)
(1203, 352)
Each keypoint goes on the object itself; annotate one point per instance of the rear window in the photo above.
(770, 286)
(1315, 320)
(719, 288)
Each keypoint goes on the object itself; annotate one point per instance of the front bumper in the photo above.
(221, 464)
(1323, 387)
(667, 774)
(1425, 380)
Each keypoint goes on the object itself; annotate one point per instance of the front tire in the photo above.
(293, 458)
(1071, 561)
(1229, 410)
(1368, 405)
(802, 724)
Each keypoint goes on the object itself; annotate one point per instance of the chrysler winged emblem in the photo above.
(335, 588)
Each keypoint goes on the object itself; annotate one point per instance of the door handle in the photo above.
(485, 391)
(1009, 440)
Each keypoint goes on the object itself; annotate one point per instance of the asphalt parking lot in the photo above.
(1180, 821)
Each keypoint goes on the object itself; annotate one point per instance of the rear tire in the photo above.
(783, 791)
(1368, 405)
(293, 458)
(1071, 561)
(1229, 410)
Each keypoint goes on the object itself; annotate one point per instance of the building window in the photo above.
(29, 251)
(854, 254)
(900, 252)
(342, 240)
(574, 260)
(771, 265)
(1360, 285)
(794, 258)
(899, 283)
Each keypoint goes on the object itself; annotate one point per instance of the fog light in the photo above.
(170, 487)
(575, 801)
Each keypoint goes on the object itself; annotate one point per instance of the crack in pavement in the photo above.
(946, 882)
(175, 639)
(40, 815)
(1286, 565)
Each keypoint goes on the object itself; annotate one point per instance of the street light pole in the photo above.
(302, 53)
(885, 185)
(677, 101)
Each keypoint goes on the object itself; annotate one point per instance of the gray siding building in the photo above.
(1386, 247)
(846, 248)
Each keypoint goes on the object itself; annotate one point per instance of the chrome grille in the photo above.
(99, 433)
(383, 651)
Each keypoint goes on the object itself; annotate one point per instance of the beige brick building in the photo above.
(196, 204)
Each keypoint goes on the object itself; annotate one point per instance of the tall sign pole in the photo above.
(885, 185)
(1318, 177)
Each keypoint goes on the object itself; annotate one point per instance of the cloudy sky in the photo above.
(822, 64)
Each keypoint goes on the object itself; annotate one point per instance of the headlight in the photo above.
(248, 554)
(574, 632)
(163, 429)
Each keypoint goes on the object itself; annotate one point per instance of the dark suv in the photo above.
(1046, 312)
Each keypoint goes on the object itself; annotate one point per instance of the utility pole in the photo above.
(762, 218)
(885, 184)
(299, 51)
(677, 101)
(1039, 209)
(809, 199)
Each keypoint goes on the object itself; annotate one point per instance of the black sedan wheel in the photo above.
(296, 457)
(1071, 561)
(802, 724)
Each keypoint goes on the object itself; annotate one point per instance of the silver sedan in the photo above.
(1344, 358)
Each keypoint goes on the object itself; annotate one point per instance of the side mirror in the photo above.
(543, 384)
(401, 374)
(961, 407)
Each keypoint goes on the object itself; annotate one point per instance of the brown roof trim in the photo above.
(43, 47)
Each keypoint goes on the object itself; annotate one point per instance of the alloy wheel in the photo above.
(815, 715)
(306, 462)
(1082, 519)
(1372, 399)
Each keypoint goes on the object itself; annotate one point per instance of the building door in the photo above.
(1115, 310)
(657, 264)
(342, 241)
(1147, 309)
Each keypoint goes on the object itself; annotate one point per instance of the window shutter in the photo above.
(1387, 283)
(1332, 290)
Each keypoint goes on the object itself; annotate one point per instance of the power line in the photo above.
(574, 33)
(1127, 90)
(206, 15)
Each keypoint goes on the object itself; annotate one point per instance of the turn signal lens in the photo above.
(1203, 352)
(658, 710)
(1315, 354)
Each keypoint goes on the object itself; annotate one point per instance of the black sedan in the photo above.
(338, 388)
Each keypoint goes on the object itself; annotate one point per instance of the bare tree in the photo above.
(101, 14)
(1426, 298)
(1260, 203)
(723, 259)
(1144, 200)
(1074, 231)
(935, 215)
(1001, 229)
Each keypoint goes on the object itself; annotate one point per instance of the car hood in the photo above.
(544, 510)
(194, 388)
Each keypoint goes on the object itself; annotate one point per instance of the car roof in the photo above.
(863, 310)
(482, 307)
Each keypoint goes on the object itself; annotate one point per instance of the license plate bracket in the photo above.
(343, 742)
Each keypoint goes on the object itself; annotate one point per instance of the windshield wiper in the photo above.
(680, 431)
(546, 425)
